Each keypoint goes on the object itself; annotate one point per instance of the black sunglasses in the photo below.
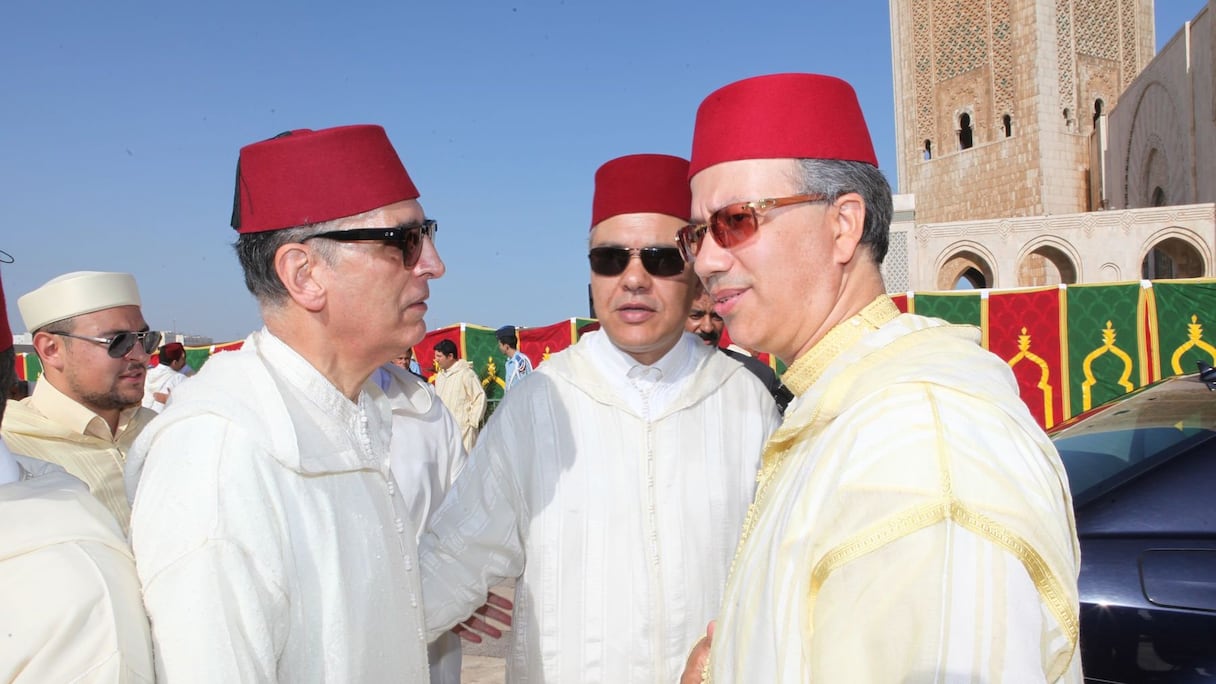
(658, 261)
(407, 238)
(121, 344)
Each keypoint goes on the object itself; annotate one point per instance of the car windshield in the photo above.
(1134, 433)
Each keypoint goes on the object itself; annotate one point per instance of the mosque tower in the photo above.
(997, 102)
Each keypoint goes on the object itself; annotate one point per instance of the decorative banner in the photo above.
(1182, 325)
(1106, 346)
(955, 307)
(768, 359)
(28, 366)
(1071, 347)
(584, 325)
(424, 351)
(481, 348)
(540, 343)
(1023, 328)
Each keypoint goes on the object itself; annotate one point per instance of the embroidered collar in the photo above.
(810, 366)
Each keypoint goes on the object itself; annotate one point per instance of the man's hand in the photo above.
(496, 608)
(698, 658)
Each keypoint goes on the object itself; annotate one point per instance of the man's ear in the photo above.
(50, 349)
(848, 218)
(298, 266)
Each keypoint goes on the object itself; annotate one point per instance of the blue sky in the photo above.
(121, 124)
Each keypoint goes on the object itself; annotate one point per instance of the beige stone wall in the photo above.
(1029, 59)
(1162, 134)
(1091, 247)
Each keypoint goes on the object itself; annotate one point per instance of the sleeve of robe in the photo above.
(951, 584)
(71, 612)
(475, 402)
(474, 539)
(217, 607)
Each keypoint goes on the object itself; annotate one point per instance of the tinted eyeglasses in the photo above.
(121, 344)
(658, 261)
(735, 223)
(407, 238)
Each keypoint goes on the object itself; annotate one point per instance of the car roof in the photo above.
(1179, 401)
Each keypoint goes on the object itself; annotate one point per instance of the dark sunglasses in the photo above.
(121, 343)
(407, 238)
(734, 223)
(658, 261)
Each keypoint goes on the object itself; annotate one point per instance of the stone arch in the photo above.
(1048, 260)
(965, 261)
(1174, 253)
(1156, 152)
(966, 131)
(1109, 273)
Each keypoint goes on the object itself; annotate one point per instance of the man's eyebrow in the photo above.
(114, 331)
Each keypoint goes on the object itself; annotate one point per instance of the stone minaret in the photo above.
(997, 101)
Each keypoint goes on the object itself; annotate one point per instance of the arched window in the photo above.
(1098, 104)
(928, 154)
(1007, 123)
(964, 131)
(1172, 258)
(1068, 120)
(970, 279)
(1158, 199)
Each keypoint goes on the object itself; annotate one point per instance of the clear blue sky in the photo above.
(121, 123)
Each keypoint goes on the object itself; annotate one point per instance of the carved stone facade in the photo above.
(995, 99)
(1067, 115)
(1092, 247)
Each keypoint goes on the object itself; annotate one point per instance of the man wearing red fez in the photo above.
(164, 376)
(912, 522)
(70, 609)
(612, 482)
(272, 540)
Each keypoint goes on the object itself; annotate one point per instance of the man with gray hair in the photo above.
(85, 413)
(271, 538)
(912, 522)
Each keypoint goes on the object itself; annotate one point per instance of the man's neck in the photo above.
(343, 370)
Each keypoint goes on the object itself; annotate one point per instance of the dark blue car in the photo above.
(1142, 470)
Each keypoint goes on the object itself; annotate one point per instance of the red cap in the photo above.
(6, 333)
(781, 116)
(642, 184)
(306, 176)
(172, 352)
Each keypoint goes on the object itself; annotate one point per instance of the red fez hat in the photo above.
(6, 333)
(781, 116)
(642, 184)
(306, 176)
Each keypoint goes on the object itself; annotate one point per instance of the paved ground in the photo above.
(483, 663)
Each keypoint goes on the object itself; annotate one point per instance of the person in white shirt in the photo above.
(164, 376)
(70, 609)
(614, 480)
(271, 539)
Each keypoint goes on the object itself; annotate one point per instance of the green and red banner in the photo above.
(955, 307)
(1182, 325)
(1070, 347)
(1105, 338)
(1023, 327)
